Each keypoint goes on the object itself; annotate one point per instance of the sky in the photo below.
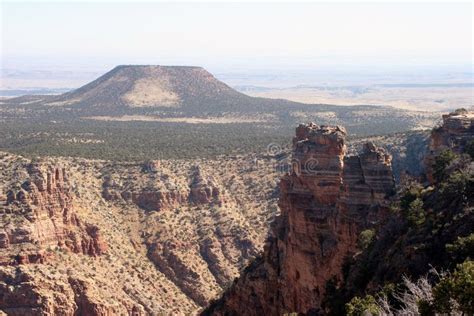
(226, 33)
(65, 44)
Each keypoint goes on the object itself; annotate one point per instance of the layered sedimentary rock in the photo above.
(203, 189)
(149, 196)
(38, 215)
(454, 134)
(195, 227)
(367, 181)
(168, 260)
(326, 201)
(24, 293)
(160, 192)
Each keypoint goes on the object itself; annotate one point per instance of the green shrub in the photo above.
(458, 186)
(415, 213)
(425, 308)
(362, 306)
(366, 238)
(442, 161)
(462, 247)
(410, 194)
(456, 291)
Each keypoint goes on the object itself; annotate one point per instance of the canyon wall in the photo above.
(38, 216)
(96, 237)
(454, 134)
(326, 200)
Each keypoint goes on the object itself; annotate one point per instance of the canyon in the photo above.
(95, 237)
(234, 235)
(39, 214)
(326, 200)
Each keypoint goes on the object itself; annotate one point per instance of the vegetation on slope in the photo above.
(430, 228)
(163, 98)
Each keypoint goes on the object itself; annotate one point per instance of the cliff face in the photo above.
(159, 191)
(326, 201)
(39, 221)
(177, 232)
(38, 215)
(454, 133)
(414, 242)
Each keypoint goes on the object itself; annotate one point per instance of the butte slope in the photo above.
(193, 95)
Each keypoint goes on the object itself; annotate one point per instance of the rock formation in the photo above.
(160, 192)
(38, 215)
(203, 189)
(454, 134)
(326, 201)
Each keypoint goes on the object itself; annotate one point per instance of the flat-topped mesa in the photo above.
(454, 134)
(326, 201)
(131, 87)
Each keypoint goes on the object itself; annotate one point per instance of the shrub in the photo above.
(456, 291)
(415, 213)
(458, 186)
(442, 161)
(411, 193)
(425, 308)
(365, 238)
(362, 306)
(462, 247)
(452, 295)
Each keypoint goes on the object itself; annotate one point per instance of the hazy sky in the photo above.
(272, 33)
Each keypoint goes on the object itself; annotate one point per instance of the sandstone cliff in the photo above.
(454, 134)
(430, 228)
(38, 216)
(326, 201)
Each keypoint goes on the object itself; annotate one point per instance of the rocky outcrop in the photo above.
(22, 293)
(39, 216)
(368, 181)
(156, 190)
(168, 260)
(454, 134)
(171, 260)
(326, 201)
(87, 302)
(151, 200)
(203, 189)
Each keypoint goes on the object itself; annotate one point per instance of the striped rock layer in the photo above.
(454, 134)
(326, 201)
